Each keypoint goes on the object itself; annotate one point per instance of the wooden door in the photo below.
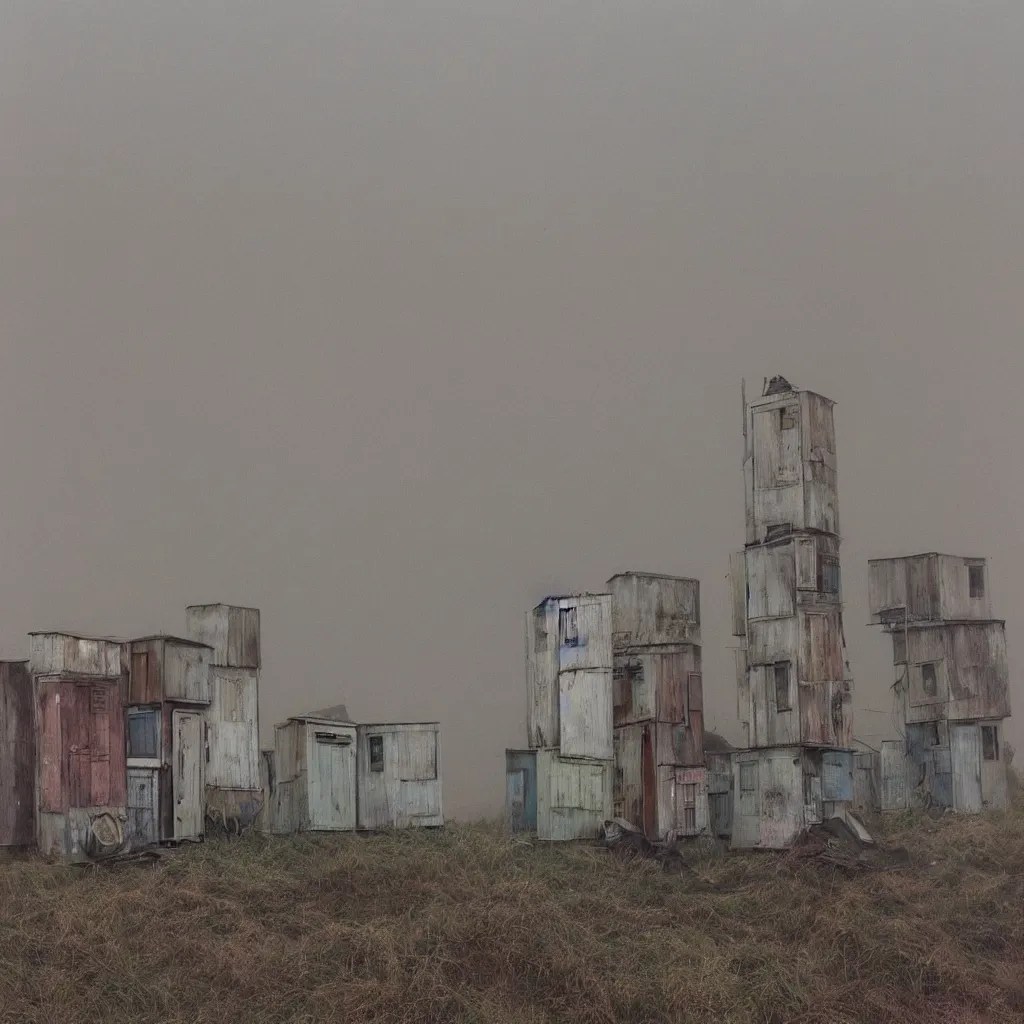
(332, 782)
(188, 775)
(965, 754)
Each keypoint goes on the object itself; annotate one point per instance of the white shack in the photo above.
(234, 795)
(556, 797)
(398, 768)
(314, 769)
(569, 666)
(780, 791)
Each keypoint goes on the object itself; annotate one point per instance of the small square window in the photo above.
(787, 419)
(976, 581)
(930, 679)
(930, 731)
(376, 753)
(748, 777)
(783, 700)
(989, 743)
(568, 629)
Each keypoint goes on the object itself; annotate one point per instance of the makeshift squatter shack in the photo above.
(81, 807)
(660, 781)
(234, 794)
(167, 693)
(560, 786)
(313, 765)
(398, 772)
(952, 683)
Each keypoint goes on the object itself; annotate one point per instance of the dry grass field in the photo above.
(469, 925)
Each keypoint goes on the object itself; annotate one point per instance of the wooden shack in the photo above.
(81, 771)
(234, 795)
(780, 791)
(790, 464)
(929, 587)
(398, 768)
(166, 694)
(314, 773)
(569, 675)
(554, 797)
(952, 681)
(17, 755)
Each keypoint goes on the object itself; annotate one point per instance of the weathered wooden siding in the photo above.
(405, 790)
(995, 790)
(649, 609)
(866, 774)
(569, 675)
(894, 788)
(926, 588)
(769, 805)
(187, 789)
(971, 671)
(542, 675)
(738, 592)
(233, 749)
(965, 754)
(143, 828)
(720, 794)
(81, 760)
(682, 801)
(955, 600)
(187, 672)
(267, 821)
(521, 790)
(657, 684)
(290, 799)
(233, 633)
(331, 773)
(790, 466)
(54, 654)
(574, 796)
(585, 713)
(17, 755)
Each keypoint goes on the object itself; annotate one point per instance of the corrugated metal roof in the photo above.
(715, 744)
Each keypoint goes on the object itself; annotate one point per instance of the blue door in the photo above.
(521, 790)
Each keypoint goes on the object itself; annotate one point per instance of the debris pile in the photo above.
(840, 844)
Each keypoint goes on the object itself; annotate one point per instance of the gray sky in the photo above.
(391, 319)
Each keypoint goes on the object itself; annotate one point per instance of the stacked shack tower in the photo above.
(660, 782)
(794, 691)
(233, 784)
(952, 683)
(560, 786)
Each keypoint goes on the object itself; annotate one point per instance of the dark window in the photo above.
(376, 753)
(787, 419)
(783, 701)
(976, 581)
(989, 743)
(828, 574)
(930, 679)
(143, 732)
(748, 776)
(568, 631)
(930, 732)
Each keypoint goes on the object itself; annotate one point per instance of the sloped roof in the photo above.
(335, 713)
